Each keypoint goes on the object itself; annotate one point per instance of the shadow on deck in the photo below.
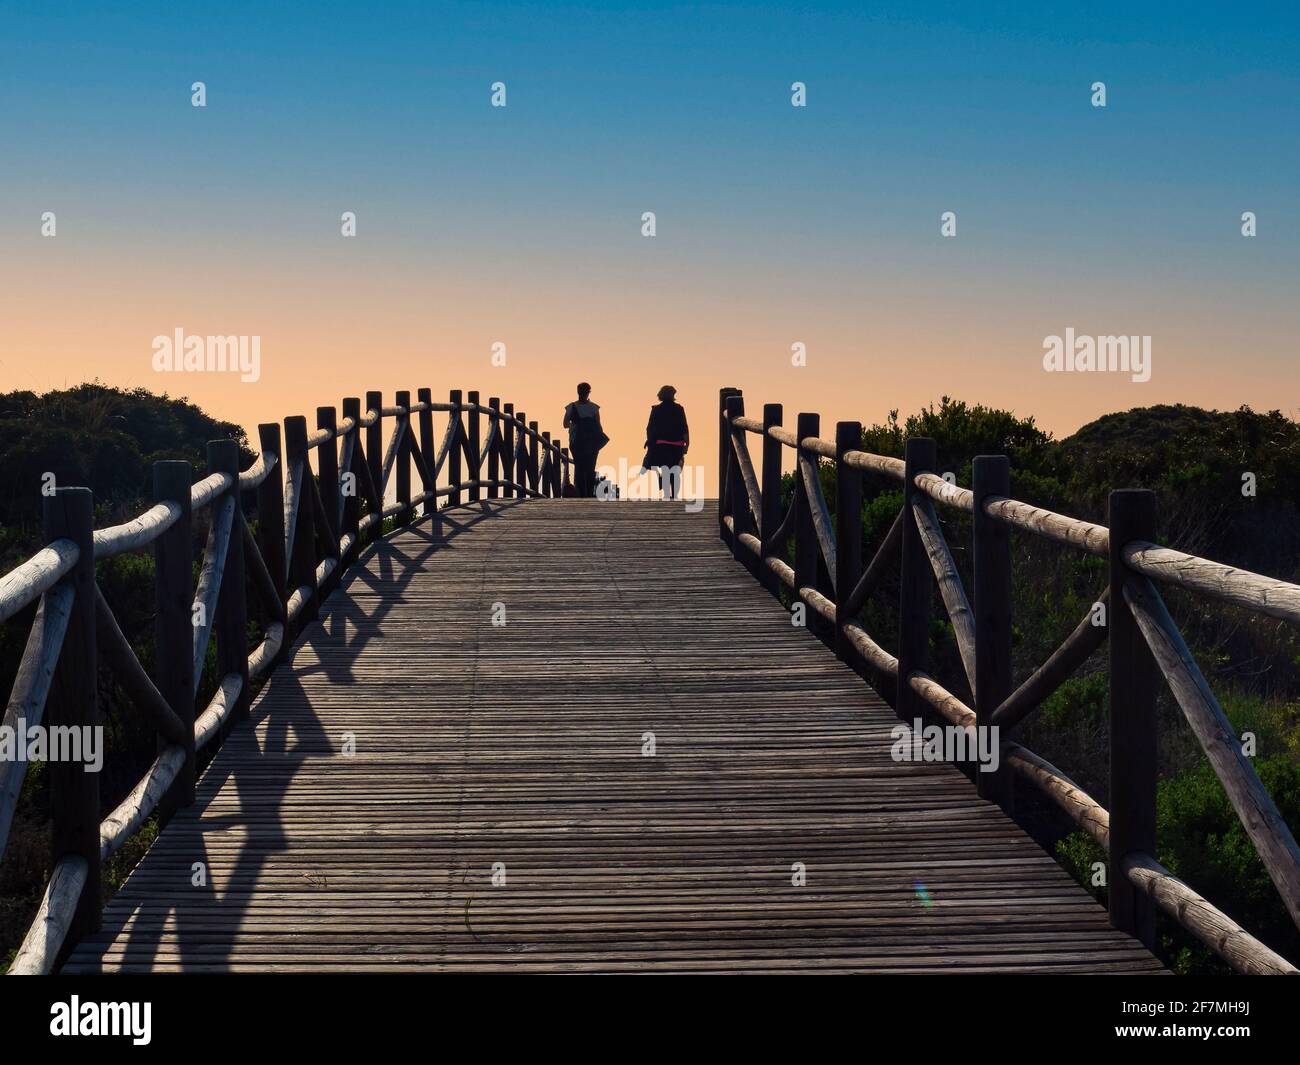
(498, 809)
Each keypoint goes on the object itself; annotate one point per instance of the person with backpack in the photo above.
(586, 438)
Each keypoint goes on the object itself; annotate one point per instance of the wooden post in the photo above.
(521, 466)
(565, 460)
(375, 460)
(494, 459)
(173, 556)
(916, 584)
(991, 476)
(270, 509)
(548, 485)
(1134, 681)
(302, 552)
(848, 530)
(428, 452)
(770, 518)
(453, 452)
(508, 450)
(475, 449)
(230, 626)
(352, 497)
(72, 701)
(806, 548)
(402, 460)
(533, 467)
(724, 463)
(327, 463)
(741, 517)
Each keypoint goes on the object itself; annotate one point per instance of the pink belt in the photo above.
(673, 443)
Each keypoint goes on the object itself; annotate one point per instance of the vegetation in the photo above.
(1194, 459)
(107, 439)
(1197, 462)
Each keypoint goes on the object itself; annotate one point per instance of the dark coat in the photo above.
(667, 423)
(586, 437)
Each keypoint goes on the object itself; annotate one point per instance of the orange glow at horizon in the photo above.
(335, 331)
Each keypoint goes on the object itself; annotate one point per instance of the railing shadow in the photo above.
(261, 759)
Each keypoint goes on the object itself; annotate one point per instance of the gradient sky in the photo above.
(775, 224)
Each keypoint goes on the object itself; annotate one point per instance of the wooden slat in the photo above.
(522, 744)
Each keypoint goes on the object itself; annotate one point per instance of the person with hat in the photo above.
(667, 440)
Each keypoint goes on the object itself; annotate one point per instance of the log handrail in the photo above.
(1229, 584)
(947, 492)
(777, 540)
(489, 445)
(31, 689)
(205, 597)
(871, 576)
(208, 489)
(126, 667)
(137, 533)
(24, 584)
(1143, 884)
(949, 581)
(1270, 834)
(1093, 538)
(748, 476)
(821, 515)
(1074, 650)
(308, 536)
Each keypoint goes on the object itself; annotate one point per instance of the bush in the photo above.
(1200, 839)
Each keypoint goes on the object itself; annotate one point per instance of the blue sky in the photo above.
(821, 220)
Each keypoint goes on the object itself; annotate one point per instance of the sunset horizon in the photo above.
(916, 222)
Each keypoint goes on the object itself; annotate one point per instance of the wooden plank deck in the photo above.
(522, 745)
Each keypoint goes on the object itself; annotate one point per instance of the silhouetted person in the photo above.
(667, 439)
(586, 438)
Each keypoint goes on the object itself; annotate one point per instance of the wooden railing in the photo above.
(310, 529)
(829, 578)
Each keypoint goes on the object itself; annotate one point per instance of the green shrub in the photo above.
(1201, 840)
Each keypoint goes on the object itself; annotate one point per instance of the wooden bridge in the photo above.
(519, 732)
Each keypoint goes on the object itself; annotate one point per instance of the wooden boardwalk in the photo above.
(519, 746)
